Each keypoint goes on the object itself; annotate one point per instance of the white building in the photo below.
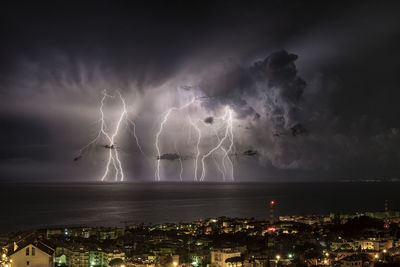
(33, 255)
(219, 257)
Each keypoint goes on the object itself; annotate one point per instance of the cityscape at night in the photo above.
(180, 133)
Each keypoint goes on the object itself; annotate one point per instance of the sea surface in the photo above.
(26, 206)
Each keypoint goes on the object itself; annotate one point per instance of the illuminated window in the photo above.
(27, 251)
(33, 251)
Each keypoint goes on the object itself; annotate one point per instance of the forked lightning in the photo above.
(114, 161)
(225, 144)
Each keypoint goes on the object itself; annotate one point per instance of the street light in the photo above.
(175, 263)
(278, 257)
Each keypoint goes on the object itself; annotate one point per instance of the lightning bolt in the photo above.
(160, 130)
(229, 125)
(83, 149)
(219, 169)
(229, 128)
(113, 161)
(115, 158)
(226, 156)
(180, 163)
(228, 135)
(225, 144)
(196, 161)
(136, 137)
(223, 170)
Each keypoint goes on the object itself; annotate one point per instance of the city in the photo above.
(362, 239)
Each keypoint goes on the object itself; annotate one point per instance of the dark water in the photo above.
(35, 205)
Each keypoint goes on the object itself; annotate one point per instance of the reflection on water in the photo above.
(28, 205)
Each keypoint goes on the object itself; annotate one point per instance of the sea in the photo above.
(27, 206)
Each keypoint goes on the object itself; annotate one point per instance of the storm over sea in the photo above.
(26, 206)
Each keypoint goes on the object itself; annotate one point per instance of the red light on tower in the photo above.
(271, 212)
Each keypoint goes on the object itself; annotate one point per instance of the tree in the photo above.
(116, 262)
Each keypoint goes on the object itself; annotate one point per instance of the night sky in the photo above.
(313, 87)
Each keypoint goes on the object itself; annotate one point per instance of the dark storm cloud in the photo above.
(250, 152)
(313, 84)
(169, 156)
(275, 77)
(209, 120)
(298, 129)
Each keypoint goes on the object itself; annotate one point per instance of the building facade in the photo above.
(219, 257)
(33, 256)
